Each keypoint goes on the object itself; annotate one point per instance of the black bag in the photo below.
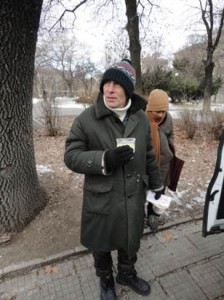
(176, 166)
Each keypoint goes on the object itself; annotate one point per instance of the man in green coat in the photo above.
(116, 176)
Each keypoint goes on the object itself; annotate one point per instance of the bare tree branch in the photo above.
(219, 29)
(73, 10)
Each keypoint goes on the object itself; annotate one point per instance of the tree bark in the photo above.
(135, 46)
(209, 18)
(21, 197)
(208, 84)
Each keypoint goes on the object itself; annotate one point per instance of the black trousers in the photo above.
(103, 263)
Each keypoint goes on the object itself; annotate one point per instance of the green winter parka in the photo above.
(113, 204)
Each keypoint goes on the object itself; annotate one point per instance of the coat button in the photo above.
(90, 163)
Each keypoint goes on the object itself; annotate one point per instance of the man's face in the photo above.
(114, 94)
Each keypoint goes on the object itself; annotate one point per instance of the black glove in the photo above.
(158, 194)
(117, 157)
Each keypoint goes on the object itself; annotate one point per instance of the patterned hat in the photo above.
(122, 73)
(158, 101)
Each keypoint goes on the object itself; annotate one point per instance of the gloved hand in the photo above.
(158, 193)
(117, 157)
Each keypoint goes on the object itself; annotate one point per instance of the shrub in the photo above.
(88, 99)
(50, 113)
(211, 123)
(206, 123)
(189, 122)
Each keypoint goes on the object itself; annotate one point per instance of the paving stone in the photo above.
(209, 278)
(178, 263)
(219, 263)
(180, 285)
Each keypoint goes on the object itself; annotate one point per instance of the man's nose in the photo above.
(111, 86)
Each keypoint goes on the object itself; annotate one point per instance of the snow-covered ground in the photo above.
(69, 106)
(66, 106)
(175, 109)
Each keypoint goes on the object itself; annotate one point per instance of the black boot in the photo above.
(137, 284)
(107, 288)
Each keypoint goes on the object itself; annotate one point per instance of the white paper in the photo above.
(163, 202)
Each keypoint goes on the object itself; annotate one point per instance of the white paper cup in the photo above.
(126, 141)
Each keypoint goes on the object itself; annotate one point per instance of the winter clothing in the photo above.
(116, 178)
(158, 101)
(162, 135)
(107, 288)
(103, 263)
(113, 205)
(126, 273)
(166, 134)
(122, 73)
(162, 131)
(140, 286)
(118, 157)
(161, 141)
(166, 137)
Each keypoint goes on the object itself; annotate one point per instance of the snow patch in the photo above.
(41, 169)
(176, 196)
(200, 198)
(36, 100)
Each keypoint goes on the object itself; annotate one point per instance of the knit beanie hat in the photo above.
(122, 73)
(158, 100)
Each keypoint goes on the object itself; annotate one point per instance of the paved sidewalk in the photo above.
(177, 261)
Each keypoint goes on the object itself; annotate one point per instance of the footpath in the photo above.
(177, 261)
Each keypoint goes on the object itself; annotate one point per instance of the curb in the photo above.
(14, 270)
(18, 269)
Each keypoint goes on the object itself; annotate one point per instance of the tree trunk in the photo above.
(210, 18)
(70, 89)
(21, 197)
(208, 84)
(135, 46)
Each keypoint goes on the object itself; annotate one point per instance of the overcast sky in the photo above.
(172, 23)
(175, 21)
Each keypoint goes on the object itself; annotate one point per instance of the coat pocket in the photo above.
(97, 198)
